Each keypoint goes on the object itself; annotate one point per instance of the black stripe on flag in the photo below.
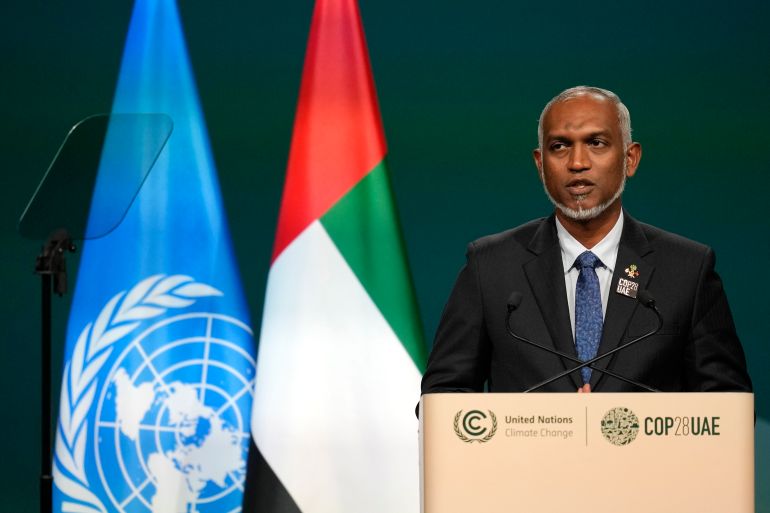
(264, 493)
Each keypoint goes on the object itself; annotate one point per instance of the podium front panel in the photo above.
(600, 452)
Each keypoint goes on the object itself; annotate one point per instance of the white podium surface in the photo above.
(636, 452)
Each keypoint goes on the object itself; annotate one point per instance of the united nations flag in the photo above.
(159, 361)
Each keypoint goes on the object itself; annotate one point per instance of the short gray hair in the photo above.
(624, 117)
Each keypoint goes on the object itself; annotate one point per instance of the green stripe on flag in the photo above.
(364, 225)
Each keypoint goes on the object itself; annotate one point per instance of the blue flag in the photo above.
(159, 360)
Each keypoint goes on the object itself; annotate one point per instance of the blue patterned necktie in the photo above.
(588, 310)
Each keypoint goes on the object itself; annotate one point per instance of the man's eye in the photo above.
(597, 143)
(557, 146)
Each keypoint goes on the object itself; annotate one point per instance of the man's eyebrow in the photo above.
(598, 133)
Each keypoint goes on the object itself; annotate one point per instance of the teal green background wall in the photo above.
(460, 86)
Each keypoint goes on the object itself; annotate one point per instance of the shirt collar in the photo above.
(606, 249)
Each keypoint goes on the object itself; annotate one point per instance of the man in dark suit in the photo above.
(577, 274)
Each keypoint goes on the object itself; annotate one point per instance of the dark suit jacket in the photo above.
(696, 350)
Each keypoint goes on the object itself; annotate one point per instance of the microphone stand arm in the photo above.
(572, 359)
(605, 355)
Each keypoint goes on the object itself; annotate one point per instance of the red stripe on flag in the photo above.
(338, 135)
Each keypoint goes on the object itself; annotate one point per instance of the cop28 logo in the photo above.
(155, 405)
(620, 426)
(475, 426)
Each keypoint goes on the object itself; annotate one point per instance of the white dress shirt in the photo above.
(606, 250)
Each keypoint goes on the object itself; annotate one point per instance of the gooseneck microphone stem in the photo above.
(570, 358)
(588, 363)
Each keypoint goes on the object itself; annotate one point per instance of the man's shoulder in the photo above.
(518, 237)
(669, 242)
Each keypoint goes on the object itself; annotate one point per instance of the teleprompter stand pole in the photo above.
(52, 268)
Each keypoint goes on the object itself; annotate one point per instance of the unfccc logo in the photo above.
(475, 426)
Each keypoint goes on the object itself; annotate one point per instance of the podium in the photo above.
(598, 452)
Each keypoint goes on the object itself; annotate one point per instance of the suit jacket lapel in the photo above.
(545, 274)
(620, 308)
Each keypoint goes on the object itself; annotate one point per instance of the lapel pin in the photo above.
(631, 271)
(627, 288)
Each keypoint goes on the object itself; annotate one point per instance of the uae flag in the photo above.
(341, 349)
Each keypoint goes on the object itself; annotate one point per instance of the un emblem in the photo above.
(475, 426)
(620, 426)
(165, 412)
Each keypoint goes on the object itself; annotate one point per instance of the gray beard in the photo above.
(583, 214)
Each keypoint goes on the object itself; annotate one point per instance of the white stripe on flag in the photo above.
(335, 391)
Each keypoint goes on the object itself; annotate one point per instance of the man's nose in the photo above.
(579, 159)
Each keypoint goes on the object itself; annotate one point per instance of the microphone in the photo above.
(644, 297)
(514, 300)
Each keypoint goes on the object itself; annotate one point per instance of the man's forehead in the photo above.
(586, 112)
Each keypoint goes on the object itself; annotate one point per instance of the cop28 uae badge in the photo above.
(628, 286)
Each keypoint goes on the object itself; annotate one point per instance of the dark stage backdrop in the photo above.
(460, 86)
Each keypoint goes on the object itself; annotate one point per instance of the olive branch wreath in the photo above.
(486, 437)
(122, 314)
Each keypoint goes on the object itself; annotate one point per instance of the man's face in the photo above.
(583, 163)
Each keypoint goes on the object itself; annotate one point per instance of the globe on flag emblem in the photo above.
(171, 424)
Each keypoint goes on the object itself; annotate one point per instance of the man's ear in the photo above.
(633, 156)
(537, 156)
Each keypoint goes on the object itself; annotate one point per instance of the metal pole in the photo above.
(46, 479)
